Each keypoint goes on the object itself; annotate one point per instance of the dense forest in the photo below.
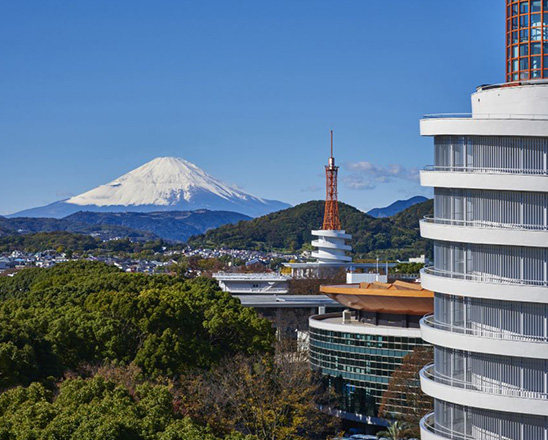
(87, 352)
(289, 230)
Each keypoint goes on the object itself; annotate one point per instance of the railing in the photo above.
(506, 390)
(505, 116)
(241, 290)
(430, 321)
(427, 424)
(251, 276)
(483, 278)
(483, 224)
(485, 170)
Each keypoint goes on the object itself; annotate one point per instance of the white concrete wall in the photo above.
(355, 278)
(515, 100)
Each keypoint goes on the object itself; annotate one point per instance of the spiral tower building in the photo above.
(489, 379)
(331, 243)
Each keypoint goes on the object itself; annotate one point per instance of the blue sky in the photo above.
(247, 90)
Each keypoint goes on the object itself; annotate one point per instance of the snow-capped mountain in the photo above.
(165, 183)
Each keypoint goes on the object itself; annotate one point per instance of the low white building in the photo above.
(252, 283)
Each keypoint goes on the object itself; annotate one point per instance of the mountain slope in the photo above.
(24, 225)
(163, 184)
(290, 230)
(175, 226)
(169, 225)
(396, 207)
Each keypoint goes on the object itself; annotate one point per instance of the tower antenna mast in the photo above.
(331, 221)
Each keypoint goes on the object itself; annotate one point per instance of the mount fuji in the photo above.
(163, 184)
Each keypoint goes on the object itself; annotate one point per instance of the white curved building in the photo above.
(489, 379)
(331, 246)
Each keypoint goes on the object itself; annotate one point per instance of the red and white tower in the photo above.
(331, 243)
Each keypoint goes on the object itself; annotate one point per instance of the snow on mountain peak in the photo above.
(163, 181)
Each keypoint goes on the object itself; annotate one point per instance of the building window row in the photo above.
(464, 423)
(491, 263)
(491, 374)
(487, 208)
(504, 154)
(489, 318)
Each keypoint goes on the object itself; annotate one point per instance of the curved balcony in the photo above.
(482, 341)
(429, 431)
(501, 179)
(484, 232)
(484, 125)
(484, 286)
(482, 395)
(326, 256)
(331, 245)
(487, 170)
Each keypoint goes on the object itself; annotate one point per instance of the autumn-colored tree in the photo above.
(403, 400)
(268, 398)
(310, 285)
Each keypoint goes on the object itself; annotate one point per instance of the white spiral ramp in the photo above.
(331, 247)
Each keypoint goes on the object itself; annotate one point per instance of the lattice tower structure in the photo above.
(331, 220)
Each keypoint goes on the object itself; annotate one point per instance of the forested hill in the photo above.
(290, 230)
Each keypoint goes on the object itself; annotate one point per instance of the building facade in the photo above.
(489, 379)
(253, 283)
(358, 351)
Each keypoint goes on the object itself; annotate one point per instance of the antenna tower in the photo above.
(331, 221)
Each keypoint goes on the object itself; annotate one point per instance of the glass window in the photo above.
(536, 34)
(546, 73)
(535, 5)
(536, 20)
(524, 64)
(535, 63)
(524, 50)
(515, 37)
(536, 49)
(524, 7)
(524, 34)
(523, 21)
(524, 75)
(535, 74)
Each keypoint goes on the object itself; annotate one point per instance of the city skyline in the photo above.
(93, 91)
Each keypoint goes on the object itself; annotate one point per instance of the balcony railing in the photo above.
(483, 277)
(428, 424)
(484, 224)
(505, 116)
(487, 170)
(482, 385)
(430, 321)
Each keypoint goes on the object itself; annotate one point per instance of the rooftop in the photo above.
(399, 297)
(282, 301)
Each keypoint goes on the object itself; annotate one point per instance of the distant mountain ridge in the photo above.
(168, 225)
(396, 207)
(395, 237)
(163, 184)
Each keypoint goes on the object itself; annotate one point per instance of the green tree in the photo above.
(396, 431)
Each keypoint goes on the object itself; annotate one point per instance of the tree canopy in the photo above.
(82, 312)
